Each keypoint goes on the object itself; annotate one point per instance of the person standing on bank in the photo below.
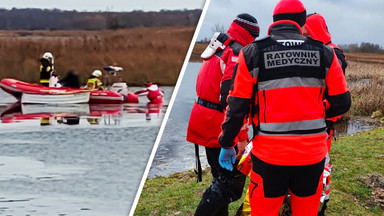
(316, 28)
(281, 81)
(213, 84)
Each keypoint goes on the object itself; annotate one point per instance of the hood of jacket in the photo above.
(317, 28)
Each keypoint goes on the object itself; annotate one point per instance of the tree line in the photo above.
(363, 47)
(55, 19)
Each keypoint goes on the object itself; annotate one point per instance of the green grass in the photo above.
(178, 194)
(352, 156)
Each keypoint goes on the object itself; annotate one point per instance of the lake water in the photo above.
(91, 168)
(175, 154)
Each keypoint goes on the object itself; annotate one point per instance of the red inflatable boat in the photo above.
(38, 94)
(35, 93)
(112, 97)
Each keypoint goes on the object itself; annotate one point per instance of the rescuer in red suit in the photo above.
(213, 84)
(289, 143)
(316, 28)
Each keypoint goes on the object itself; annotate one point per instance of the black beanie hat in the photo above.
(290, 10)
(249, 23)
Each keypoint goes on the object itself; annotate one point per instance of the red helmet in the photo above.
(290, 10)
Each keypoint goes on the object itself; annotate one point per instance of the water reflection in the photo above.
(74, 114)
(85, 159)
(352, 126)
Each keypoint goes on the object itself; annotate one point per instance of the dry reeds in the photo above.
(154, 54)
(365, 77)
(197, 50)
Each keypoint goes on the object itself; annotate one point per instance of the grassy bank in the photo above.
(352, 157)
(154, 54)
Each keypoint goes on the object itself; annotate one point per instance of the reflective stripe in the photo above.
(44, 81)
(255, 72)
(291, 82)
(326, 72)
(222, 66)
(327, 197)
(47, 69)
(293, 126)
(260, 133)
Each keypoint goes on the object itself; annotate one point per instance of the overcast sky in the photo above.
(351, 21)
(102, 5)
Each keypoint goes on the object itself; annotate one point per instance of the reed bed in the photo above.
(365, 77)
(154, 54)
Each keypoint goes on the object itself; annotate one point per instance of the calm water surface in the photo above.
(83, 169)
(174, 153)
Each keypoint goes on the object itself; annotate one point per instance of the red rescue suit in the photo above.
(318, 30)
(287, 135)
(212, 86)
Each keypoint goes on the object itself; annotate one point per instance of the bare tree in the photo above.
(218, 28)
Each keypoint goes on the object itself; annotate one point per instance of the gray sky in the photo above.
(111, 5)
(351, 21)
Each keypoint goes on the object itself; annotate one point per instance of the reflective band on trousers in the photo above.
(291, 82)
(295, 125)
(44, 81)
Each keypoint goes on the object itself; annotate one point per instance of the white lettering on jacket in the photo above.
(291, 58)
(290, 42)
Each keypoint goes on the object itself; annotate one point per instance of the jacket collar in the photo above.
(240, 35)
(284, 26)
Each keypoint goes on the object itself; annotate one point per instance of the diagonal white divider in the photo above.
(159, 135)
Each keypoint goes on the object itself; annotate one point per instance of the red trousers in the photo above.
(270, 183)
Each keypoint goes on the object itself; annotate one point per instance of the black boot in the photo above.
(211, 205)
(322, 211)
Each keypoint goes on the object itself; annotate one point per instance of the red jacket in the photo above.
(281, 80)
(212, 86)
(318, 30)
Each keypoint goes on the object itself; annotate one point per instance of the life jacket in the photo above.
(94, 83)
(219, 60)
(290, 70)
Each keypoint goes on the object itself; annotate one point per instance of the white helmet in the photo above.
(48, 56)
(97, 73)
